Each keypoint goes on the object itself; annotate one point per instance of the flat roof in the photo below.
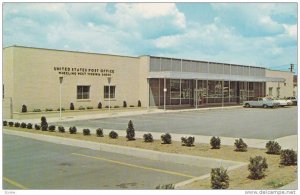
(92, 53)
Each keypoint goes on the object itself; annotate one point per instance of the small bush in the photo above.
(99, 132)
(188, 141)
(36, 110)
(288, 157)
(130, 132)
(4, 123)
(257, 167)
(139, 103)
(166, 186)
(116, 106)
(148, 137)
(273, 147)
(72, 130)
(17, 124)
(215, 142)
(29, 126)
(24, 108)
(89, 107)
(44, 124)
(240, 145)
(62, 109)
(219, 178)
(11, 124)
(49, 109)
(99, 105)
(124, 104)
(166, 138)
(37, 127)
(131, 106)
(72, 106)
(52, 128)
(61, 129)
(107, 106)
(23, 125)
(81, 108)
(86, 132)
(113, 135)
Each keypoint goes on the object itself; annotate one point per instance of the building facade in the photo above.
(31, 78)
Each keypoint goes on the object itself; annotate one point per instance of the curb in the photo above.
(130, 151)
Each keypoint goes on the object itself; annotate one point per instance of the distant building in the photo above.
(295, 90)
(31, 77)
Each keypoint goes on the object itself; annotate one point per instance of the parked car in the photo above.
(282, 102)
(261, 102)
(293, 99)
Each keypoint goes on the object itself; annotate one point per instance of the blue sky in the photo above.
(259, 34)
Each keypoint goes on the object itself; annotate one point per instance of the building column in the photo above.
(165, 91)
(196, 93)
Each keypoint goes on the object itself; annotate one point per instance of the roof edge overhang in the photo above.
(209, 76)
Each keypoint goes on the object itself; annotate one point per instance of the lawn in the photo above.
(276, 174)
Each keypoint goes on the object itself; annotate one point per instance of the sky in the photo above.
(258, 34)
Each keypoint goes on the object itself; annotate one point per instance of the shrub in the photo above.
(36, 110)
(62, 109)
(188, 141)
(23, 125)
(131, 106)
(24, 108)
(61, 129)
(215, 142)
(116, 106)
(107, 106)
(148, 137)
(130, 131)
(219, 178)
(99, 105)
(81, 108)
(49, 109)
(17, 124)
(139, 103)
(29, 126)
(89, 107)
(37, 127)
(71, 106)
(273, 147)
(99, 132)
(86, 132)
(44, 124)
(52, 128)
(257, 167)
(73, 130)
(165, 186)
(288, 157)
(11, 124)
(166, 138)
(113, 135)
(4, 123)
(240, 145)
(124, 104)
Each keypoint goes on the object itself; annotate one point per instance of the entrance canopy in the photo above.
(210, 76)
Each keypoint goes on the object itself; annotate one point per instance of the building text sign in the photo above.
(84, 71)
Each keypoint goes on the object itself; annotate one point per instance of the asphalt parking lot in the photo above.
(33, 164)
(255, 123)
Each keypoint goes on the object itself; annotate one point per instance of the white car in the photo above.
(261, 102)
(282, 102)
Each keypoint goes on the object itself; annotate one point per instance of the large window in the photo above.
(83, 92)
(112, 92)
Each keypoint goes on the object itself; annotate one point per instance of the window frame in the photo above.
(82, 92)
(111, 97)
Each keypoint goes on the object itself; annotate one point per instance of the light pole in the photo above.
(109, 80)
(60, 83)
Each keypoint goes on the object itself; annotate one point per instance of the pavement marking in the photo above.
(14, 183)
(136, 166)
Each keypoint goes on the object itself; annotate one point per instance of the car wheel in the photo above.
(265, 106)
(247, 105)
